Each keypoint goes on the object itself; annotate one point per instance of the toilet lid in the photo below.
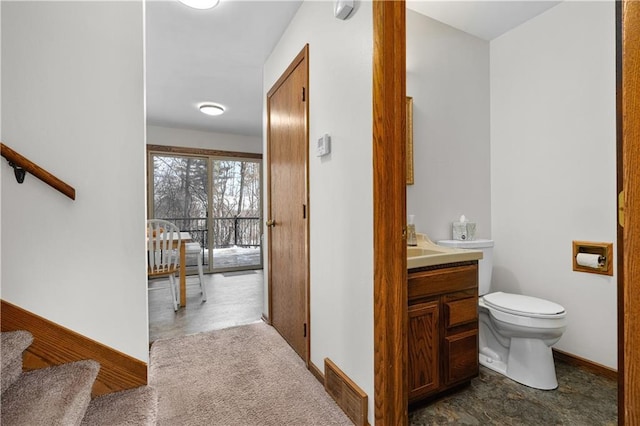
(519, 304)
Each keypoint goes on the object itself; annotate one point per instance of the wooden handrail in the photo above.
(19, 162)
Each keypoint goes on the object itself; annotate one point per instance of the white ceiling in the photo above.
(213, 55)
(483, 19)
(216, 55)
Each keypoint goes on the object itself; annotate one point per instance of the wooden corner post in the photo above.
(389, 217)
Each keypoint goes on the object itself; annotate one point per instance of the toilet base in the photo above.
(493, 364)
(530, 362)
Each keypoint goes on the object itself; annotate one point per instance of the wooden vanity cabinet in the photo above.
(443, 328)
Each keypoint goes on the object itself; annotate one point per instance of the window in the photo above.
(216, 197)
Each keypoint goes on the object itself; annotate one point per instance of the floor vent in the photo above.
(346, 393)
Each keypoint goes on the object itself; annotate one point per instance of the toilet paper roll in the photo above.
(589, 260)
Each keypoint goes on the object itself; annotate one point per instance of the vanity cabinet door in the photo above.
(461, 357)
(424, 375)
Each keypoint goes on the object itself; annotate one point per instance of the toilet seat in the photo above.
(517, 304)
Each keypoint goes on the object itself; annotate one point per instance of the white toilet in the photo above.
(515, 332)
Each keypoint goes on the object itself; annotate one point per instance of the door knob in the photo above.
(270, 223)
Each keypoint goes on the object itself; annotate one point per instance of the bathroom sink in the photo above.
(427, 253)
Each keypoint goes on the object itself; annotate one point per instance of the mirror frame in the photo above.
(409, 148)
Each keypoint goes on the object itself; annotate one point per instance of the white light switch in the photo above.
(324, 146)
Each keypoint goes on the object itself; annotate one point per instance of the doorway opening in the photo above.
(214, 197)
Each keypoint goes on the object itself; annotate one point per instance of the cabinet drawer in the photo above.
(461, 357)
(440, 281)
(461, 311)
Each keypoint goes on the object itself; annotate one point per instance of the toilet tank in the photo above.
(485, 265)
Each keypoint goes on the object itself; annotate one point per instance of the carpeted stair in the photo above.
(61, 395)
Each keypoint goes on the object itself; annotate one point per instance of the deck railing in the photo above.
(227, 231)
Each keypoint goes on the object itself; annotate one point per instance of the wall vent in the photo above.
(349, 397)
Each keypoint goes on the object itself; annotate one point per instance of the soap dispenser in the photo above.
(412, 240)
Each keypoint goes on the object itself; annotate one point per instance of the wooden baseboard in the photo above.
(593, 367)
(316, 372)
(54, 345)
(348, 395)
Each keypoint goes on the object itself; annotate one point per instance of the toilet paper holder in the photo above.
(604, 252)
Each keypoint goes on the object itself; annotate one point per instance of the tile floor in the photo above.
(582, 399)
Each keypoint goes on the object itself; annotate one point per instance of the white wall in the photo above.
(341, 185)
(448, 78)
(553, 165)
(157, 135)
(73, 102)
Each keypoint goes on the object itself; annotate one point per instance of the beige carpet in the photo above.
(245, 375)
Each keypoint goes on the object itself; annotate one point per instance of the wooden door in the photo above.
(287, 222)
(629, 235)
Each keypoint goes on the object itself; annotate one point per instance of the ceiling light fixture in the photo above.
(200, 4)
(211, 109)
